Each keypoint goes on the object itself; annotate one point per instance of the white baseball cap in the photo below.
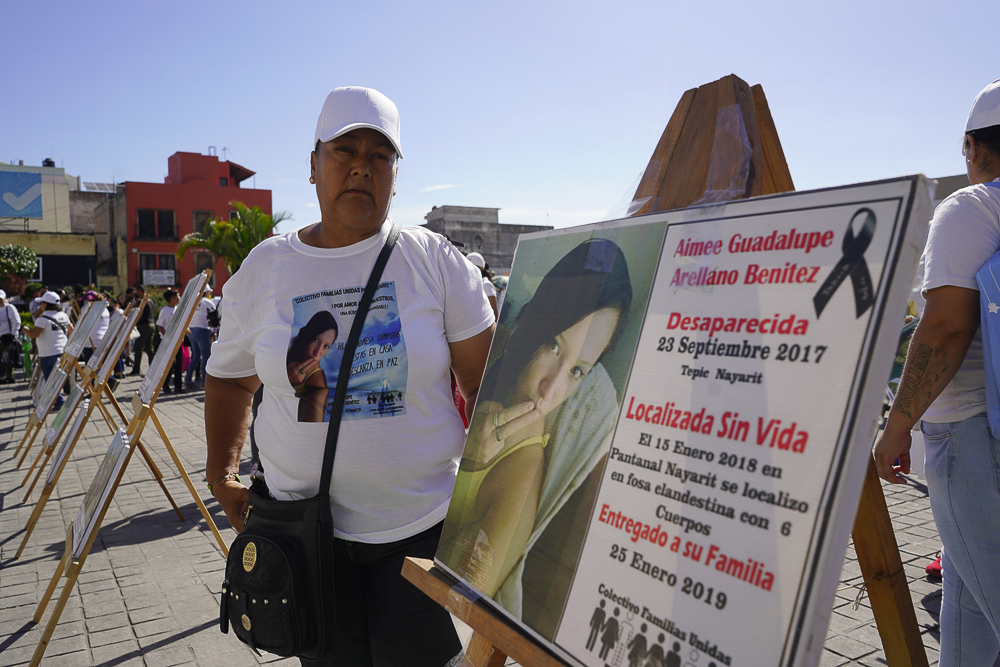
(350, 108)
(50, 297)
(477, 259)
(3, 295)
(985, 111)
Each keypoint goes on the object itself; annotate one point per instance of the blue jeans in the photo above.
(962, 464)
(201, 350)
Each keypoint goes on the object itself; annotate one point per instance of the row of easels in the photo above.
(93, 392)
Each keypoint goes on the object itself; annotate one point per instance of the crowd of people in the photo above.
(54, 312)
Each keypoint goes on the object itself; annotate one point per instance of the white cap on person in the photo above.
(985, 111)
(351, 108)
(477, 259)
(50, 297)
(3, 295)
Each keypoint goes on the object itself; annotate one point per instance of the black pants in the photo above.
(7, 357)
(382, 619)
(176, 371)
(143, 344)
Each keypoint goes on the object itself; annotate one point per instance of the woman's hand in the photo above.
(494, 428)
(233, 497)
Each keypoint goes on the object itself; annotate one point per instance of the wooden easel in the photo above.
(73, 566)
(96, 382)
(68, 362)
(695, 163)
(86, 386)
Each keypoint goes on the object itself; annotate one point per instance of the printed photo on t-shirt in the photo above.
(321, 325)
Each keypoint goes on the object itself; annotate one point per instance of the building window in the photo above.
(156, 224)
(232, 215)
(165, 225)
(147, 262)
(147, 223)
(201, 218)
(223, 181)
(167, 263)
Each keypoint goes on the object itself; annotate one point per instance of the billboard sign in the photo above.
(20, 194)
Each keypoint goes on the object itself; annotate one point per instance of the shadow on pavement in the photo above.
(166, 641)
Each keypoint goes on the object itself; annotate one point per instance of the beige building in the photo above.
(52, 214)
(479, 230)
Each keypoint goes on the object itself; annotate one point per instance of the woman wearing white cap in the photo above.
(943, 386)
(10, 322)
(50, 332)
(400, 436)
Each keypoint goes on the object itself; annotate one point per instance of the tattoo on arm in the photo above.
(924, 369)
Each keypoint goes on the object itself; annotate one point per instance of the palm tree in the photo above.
(232, 240)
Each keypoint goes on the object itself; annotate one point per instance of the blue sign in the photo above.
(20, 195)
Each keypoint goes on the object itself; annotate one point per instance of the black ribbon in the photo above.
(852, 264)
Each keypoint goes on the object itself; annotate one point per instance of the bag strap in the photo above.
(345, 364)
(343, 375)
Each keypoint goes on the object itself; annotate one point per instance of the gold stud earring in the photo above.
(312, 179)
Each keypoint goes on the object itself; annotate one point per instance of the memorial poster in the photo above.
(114, 326)
(97, 493)
(712, 529)
(171, 339)
(117, 347)
(51, 389)
(62, 417)
(76, 334)
(67, 443)
(87, 322)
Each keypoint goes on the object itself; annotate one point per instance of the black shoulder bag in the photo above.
(278, 593)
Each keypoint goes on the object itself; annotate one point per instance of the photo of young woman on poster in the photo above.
(544, 419)
(307, 378)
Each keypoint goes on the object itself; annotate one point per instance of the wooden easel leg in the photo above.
(34, 463)
(114, 402)
(50, 627)
(33, 519)
(48, 455)
(481, 653)
(159, 478)
(44, 602)
(107, 415)
(32, 428)
(190, 485)
(882, 568)
(31, 442)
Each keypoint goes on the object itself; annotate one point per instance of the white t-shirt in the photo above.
(163, 319)
(400, 436)
(10, 320)
(54, 325)
(200, 318)
(102, 326)
(964, 233)
(489, 288)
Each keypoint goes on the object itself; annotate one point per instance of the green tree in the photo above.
(232, 240)
(17, 265)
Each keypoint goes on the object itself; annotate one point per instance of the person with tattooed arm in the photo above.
(944, 388)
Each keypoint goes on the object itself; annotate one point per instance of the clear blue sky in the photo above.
(546, 110)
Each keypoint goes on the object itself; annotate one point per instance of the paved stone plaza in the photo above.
(148, 593)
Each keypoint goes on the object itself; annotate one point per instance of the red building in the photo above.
(198, 188)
